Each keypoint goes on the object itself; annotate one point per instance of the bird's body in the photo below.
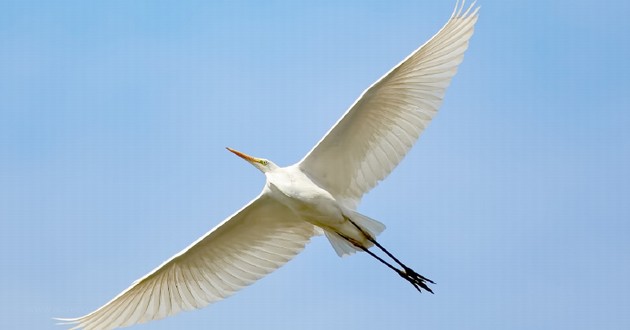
(318, 195)
(310, 202)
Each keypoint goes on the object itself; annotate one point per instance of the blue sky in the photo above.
(114, 116)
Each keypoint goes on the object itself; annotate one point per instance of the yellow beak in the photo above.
(242, 155)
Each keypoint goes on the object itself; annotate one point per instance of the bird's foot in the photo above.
(418, 281)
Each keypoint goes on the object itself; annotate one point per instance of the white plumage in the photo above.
(382, 125)
(318, 194)
(253, 242)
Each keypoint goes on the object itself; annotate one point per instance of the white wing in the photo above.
(253, 242)
(382, 125)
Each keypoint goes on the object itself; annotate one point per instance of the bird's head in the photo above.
(264, 165)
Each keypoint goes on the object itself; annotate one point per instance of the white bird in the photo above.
(319, 194)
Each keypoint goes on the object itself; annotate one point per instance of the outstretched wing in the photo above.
(250, 244)
(382, 125)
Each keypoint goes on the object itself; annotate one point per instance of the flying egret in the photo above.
(317, 195)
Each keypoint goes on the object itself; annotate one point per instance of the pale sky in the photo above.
(114, 116)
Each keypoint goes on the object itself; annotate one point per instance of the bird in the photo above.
(318, 195)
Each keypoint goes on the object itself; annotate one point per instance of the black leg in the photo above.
(357, 244)
(405, 268)
(418, 281)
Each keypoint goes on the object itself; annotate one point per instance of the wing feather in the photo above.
(253, 242)
(378, 130)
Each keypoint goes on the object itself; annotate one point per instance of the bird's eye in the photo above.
(264, 162)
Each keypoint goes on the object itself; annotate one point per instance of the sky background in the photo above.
(114, 116)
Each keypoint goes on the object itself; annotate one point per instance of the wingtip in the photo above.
(65, 321)
(459, 12)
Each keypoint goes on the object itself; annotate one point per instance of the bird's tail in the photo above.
(370, 226)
